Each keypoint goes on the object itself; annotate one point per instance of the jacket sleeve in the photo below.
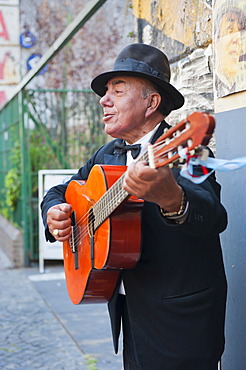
(206, 215)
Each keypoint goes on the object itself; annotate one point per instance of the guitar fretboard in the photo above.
(112, 199)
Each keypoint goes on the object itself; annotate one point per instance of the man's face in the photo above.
(229, 44)
(124, 108)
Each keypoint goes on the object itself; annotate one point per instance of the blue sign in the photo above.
(33, 60)
(27, 39)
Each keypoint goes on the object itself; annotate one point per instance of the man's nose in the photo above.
(234, 27)
(236, 37)
(105, 100)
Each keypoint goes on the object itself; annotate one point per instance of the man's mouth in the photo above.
(234, 53)
(107, 116)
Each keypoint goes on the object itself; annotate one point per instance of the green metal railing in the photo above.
(43, 129)
(9, 148)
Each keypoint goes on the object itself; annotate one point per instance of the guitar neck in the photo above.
(112, 199)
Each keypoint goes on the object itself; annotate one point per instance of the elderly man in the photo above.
(230, 23)
(172, 304)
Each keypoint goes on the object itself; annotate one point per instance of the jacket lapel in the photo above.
(160, 131)
(115, 158)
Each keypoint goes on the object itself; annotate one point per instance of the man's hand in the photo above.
(58, 218)
(153, 185)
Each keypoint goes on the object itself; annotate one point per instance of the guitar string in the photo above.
(112, 202)
(85, 232)
(83, 218)
(102, 214)
(109, 190)
(82, 234)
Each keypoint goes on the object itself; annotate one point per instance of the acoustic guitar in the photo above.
(106, 220)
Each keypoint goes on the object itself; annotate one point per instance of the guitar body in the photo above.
(93, 258)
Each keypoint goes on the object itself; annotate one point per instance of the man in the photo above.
(173, 303)
(229, 24)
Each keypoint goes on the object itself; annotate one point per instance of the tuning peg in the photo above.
(151, 156)
(189, 142)
(167, 141)
(176, 134)
(187, 125)
(180, 147)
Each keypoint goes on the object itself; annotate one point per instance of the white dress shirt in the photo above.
(143, 141)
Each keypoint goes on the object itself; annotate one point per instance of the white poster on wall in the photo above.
(9, 25)
(9, 65)
(9, 2)
(47, 179)
(229, 40)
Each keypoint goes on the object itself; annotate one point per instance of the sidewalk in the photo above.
(41, 329)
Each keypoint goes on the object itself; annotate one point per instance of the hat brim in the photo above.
(98, 85)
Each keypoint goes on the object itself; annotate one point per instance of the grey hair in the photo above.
(165, 106)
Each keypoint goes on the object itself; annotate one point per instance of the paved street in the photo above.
(41, 329)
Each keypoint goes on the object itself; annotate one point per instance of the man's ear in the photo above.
(154, 100)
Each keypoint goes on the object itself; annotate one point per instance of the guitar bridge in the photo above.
(74, 241)
(91, 230)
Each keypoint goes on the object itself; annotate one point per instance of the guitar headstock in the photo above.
(194, 131)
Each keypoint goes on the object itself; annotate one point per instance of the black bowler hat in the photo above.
(144, 61)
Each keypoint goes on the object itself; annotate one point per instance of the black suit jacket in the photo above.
(176, 294)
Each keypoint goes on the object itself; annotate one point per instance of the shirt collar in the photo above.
(143, 141)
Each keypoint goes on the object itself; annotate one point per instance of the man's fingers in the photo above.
(58, 218)
(59, 212)
(140, 171)
(63, 234)
(65, 207)
(61, 224)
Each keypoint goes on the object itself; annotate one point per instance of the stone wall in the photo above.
(91, 50)
(11, 242)
(182, 29)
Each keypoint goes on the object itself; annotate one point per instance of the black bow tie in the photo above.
(123, 148)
